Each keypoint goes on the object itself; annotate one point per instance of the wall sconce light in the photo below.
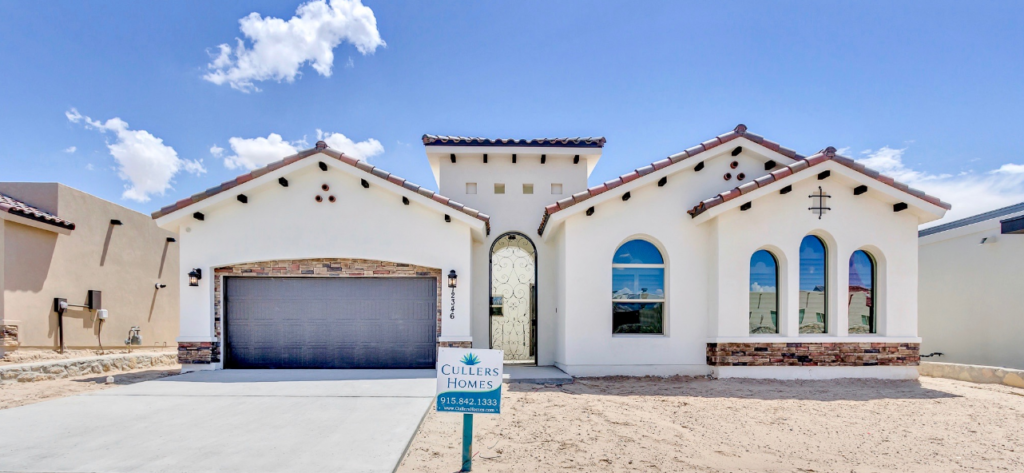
(194, 276)
(453, 280)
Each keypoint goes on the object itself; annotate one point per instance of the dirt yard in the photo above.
(14, 394)
(33, 355)
(697, 424)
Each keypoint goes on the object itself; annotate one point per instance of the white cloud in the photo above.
(969, 192)
(89, 167)
(142, 159)
(70, 149)
(363, 150)
(251, 153)
(280, 48)
(755, 287)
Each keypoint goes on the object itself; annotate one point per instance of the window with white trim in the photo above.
(638, 289)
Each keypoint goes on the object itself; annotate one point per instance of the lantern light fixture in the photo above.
(452, 279)
(194, 276)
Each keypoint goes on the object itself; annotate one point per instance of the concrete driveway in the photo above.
(225, 421)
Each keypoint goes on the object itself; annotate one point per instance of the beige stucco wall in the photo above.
(125, 262)
(972, 296)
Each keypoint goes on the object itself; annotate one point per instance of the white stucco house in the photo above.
(736, 257)
(972, 294)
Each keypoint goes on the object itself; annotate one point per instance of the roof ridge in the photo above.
(738, 131)
(322, 148)
(827, 154)
(14, 206)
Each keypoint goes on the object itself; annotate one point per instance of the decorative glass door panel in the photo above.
(513, 301)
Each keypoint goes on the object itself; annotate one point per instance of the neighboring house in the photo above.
(733, 257)
(972, 289)
(58, 242)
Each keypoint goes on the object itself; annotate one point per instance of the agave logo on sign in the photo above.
(469, 380)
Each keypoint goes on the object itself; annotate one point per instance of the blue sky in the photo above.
(929, 92)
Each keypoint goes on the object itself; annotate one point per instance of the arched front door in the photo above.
(514, 298)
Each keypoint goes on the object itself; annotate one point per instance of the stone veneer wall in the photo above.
(814, 354)
(207, 352)
(455, 344)
(198, 353)
(8, 338)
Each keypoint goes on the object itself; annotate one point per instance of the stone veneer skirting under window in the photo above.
(209, 352)
(814, 354)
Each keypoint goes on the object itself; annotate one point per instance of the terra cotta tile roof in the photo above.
(827, 154)
(739, 131)
(321, 147)
(576, 142)
(16, 207)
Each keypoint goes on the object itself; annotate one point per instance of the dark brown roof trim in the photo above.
(321, 147)
(739, 131)
(575, 142)
(14, 206)
(827, 154)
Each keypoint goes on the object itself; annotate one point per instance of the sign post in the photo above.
(469, 382)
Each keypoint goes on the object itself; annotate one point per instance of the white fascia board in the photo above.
(171, 220)
(992, 224)
(924, 210)
(34, 223)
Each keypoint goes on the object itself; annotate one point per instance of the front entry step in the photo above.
(536, 375)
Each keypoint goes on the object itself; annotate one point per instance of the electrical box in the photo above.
(95, 300)
(101, 314)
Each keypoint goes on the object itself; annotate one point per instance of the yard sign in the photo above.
(469, 380)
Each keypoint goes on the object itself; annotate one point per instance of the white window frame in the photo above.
(663, 300)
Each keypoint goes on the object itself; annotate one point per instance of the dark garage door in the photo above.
(330, 322)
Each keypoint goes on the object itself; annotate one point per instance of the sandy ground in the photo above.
(14, 394)
(697, 424)
(32, 355)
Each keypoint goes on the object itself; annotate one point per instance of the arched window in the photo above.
(862, 293)
(813, 284)
(638, 288)
(764, 295)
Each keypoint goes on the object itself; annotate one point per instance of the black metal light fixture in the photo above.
(194, 276)
(453, 280)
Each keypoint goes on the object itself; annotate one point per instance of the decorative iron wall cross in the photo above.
(820, 208)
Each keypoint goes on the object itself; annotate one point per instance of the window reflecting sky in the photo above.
(638, 252)
(812, 264)
(632, 283)
(860, 270)
(763, 272)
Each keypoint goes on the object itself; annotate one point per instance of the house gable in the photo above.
(824, 165)
(276, 174)
(742, 145)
